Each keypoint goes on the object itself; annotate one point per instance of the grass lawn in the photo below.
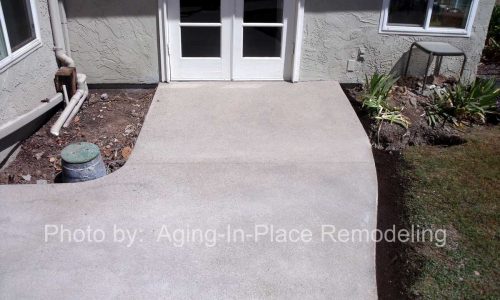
(456, 188)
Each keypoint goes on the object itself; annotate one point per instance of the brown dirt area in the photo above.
(489, 69)
(113, 124)
(406, 95)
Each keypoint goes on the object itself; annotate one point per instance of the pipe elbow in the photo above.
(65, 59)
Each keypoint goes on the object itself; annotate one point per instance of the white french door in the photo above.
(260, 39)
(229, 39)
(200, 39)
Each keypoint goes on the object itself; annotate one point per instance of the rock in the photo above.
(76, 120)
(26, 177)
(413, 101)
(129, 129)
(52, 159)
(104, 97)
(107, 152)
(38, 156)
(476, 273)
(126, 152)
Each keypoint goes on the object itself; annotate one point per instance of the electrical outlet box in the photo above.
(352, 65)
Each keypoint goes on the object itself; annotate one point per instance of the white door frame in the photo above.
(292, 68)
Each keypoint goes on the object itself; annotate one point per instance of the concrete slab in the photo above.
(221, 158)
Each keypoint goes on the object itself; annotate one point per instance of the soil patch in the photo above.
(406, 95)
(489, 70)
(112, 122)
(392, 271)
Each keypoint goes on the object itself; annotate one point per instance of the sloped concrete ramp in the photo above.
(234, 190)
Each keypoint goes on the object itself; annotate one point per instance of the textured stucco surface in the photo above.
(114, 41)
(117, 41)
(25, 84)
(334, 30)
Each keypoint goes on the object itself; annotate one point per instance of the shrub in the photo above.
(376, 93)
(465, 103)
(492, 49)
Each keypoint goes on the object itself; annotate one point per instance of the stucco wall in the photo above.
(334, 31)
(25, 84)
(114, 41)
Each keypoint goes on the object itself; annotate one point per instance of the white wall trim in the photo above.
(299, 35)
(427, 30)
(163, 40)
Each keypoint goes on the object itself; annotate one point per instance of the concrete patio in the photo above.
(210, 155)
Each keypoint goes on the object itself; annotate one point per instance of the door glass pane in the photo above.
(447, 13)
(200, 11)
(263, 11)
(201, 41)
(407, 13)
(3, 47)
(262, 42)
(18, 21)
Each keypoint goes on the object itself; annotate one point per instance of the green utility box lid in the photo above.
(79, 153)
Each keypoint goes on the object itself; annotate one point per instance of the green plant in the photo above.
(375, 96)
(492, 48)
(464, 103)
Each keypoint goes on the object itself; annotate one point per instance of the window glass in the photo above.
(407, 13)
(201, 41)
(450, 13)
(3, 47)
(19, 22)
(200, 11)
(262, 42)
(263, 11)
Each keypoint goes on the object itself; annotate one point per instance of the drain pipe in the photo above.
(61, 46)
(80, 95)
(64, 24)
(58, 35)
(77, 107)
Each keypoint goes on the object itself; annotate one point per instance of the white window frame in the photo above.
(427, 29)
(19, 54)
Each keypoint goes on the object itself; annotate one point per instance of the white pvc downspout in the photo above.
(61, 45)
(78, 106)
(80, 95)
(64, 24)
(57, 33)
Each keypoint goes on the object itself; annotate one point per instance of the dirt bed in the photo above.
(489, 70)
(111, 119)
(406, 95)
